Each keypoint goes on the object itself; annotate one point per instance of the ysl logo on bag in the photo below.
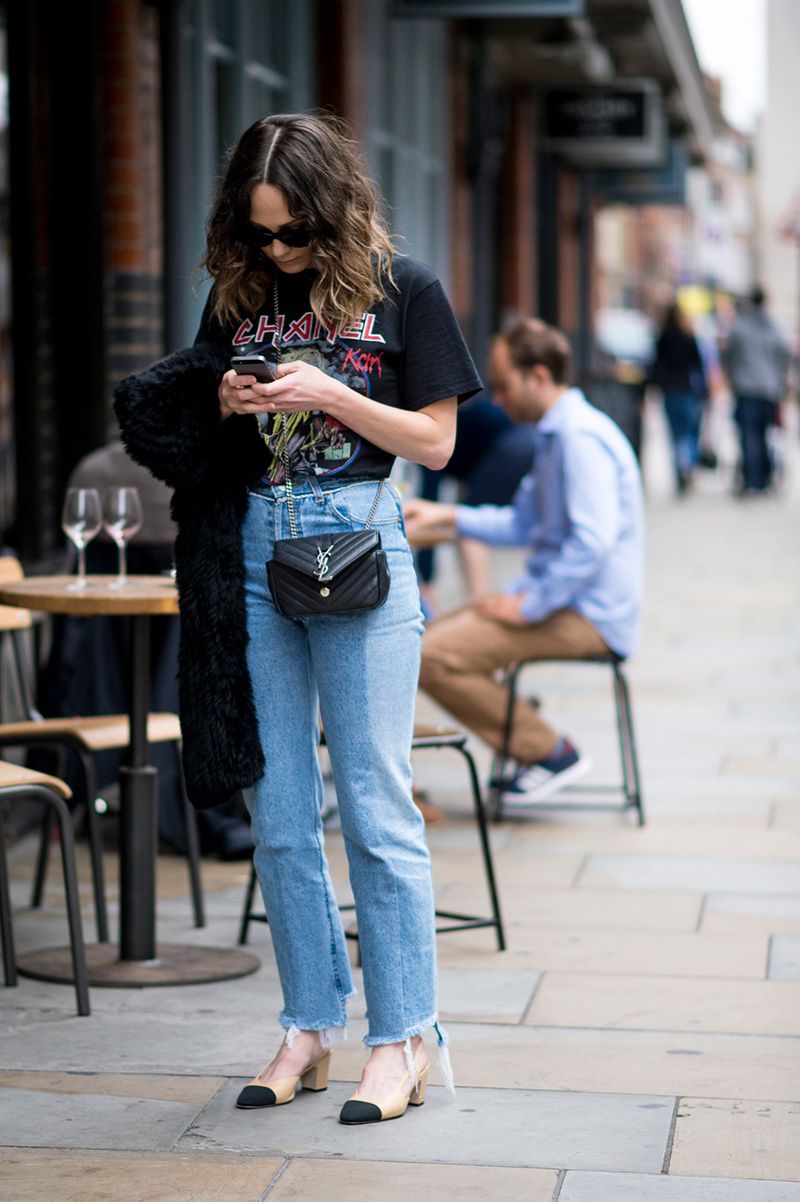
(323, 557)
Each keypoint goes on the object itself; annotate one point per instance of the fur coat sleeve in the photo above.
(169, 421)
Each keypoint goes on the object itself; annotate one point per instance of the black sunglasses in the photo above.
(296, 238)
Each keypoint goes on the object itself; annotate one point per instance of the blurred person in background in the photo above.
(756, 360)
(678, 370)
(579, 514)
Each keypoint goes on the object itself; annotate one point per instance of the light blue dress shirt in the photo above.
(580, 511)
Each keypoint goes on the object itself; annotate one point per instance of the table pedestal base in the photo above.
(177, 964)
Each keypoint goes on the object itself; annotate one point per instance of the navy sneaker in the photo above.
(535, 782)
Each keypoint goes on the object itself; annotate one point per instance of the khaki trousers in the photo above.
(460, 653)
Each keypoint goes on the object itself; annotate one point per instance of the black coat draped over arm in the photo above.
(170, 423)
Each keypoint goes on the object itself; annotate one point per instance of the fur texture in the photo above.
(170, 423)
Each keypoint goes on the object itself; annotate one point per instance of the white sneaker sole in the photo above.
(547, 788)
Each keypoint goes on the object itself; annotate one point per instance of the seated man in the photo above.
(579, 512)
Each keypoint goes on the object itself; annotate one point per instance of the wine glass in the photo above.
(122, 517)
(81, 519)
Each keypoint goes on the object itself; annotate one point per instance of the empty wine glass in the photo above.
(122, 517)
(81, 519)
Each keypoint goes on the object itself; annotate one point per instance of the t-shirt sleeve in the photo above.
(436, 361)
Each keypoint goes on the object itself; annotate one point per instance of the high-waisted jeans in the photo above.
(360, 671)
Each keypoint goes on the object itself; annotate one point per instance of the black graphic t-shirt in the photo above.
(407, 352)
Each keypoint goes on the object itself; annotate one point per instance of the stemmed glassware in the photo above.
(122, 518)
(81, 520)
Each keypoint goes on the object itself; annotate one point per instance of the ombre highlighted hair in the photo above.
(319, 170)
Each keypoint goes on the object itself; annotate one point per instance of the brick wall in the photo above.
(133, 191)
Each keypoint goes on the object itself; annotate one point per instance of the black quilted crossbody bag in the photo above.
(336, 573)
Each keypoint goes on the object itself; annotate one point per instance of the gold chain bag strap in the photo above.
(336, 573)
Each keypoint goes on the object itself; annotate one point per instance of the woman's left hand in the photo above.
(300, 387)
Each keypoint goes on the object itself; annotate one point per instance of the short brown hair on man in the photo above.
(532, 343)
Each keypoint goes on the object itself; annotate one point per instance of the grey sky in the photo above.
(730, 38)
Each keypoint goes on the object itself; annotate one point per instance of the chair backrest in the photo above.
(11, 617)
(15, 652)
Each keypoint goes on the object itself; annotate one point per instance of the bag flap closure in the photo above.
(324, 557)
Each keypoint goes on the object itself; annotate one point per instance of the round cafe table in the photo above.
(137, 961)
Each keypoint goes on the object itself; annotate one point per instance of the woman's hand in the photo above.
(299, 388)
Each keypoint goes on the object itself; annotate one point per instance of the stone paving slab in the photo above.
(584, 909)
(737, 1139)
(31, 1176)
(80, 1120)
(657, 953)
(475, 995)
(195, 1091)
(784, 958)
(687, 873)
(666, 1004)
(517, 1128)
(633, 1187)
(734, 913)
(364, 1181)
(725, 1066)
(659, 841)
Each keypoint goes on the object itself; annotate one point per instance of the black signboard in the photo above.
(619, 125)
(488, 8)
(600, 113)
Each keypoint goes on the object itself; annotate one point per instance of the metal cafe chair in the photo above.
(426, 737)
(627, 794)
(17, 783)
(85, 737)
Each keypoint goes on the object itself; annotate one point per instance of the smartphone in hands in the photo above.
(254, 365)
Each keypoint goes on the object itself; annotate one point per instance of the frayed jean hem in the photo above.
(293, 1023)
(377, 1041)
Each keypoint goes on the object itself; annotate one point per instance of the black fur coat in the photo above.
(170, 423)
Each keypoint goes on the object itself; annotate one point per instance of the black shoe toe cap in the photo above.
(253, 1096)
(360, 1112)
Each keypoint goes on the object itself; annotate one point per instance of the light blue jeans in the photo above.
(360, 671)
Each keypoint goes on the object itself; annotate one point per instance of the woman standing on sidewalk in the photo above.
(678, 371)
(370, 365)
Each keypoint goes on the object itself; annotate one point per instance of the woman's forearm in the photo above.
(426, 436)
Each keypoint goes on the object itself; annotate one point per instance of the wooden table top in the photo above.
(141, 595)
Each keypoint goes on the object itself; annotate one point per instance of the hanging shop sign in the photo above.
(620, 125)
(488, 8)
(663, 185)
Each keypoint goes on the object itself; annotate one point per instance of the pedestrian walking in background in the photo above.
(579, 514)
(756, 361)
(679, 372)
(369, 364)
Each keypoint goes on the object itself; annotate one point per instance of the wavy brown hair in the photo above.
(320, 172)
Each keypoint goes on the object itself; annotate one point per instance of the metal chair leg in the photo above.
(480, 813)
(6, 930)
(95, 844)
(42, 859)
(501, 758)
(629, 738)
(73, 906)
(64, 819)
(248, 906)
(192, 848)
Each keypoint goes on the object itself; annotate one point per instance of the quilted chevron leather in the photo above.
(355, 574)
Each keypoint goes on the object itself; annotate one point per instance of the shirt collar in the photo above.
(556, 416)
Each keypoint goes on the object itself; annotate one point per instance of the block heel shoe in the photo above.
(359, 1109)
(280, 1091)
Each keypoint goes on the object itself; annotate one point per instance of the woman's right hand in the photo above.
(240, 394)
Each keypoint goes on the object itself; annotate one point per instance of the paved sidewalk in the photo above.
(638, 1041)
